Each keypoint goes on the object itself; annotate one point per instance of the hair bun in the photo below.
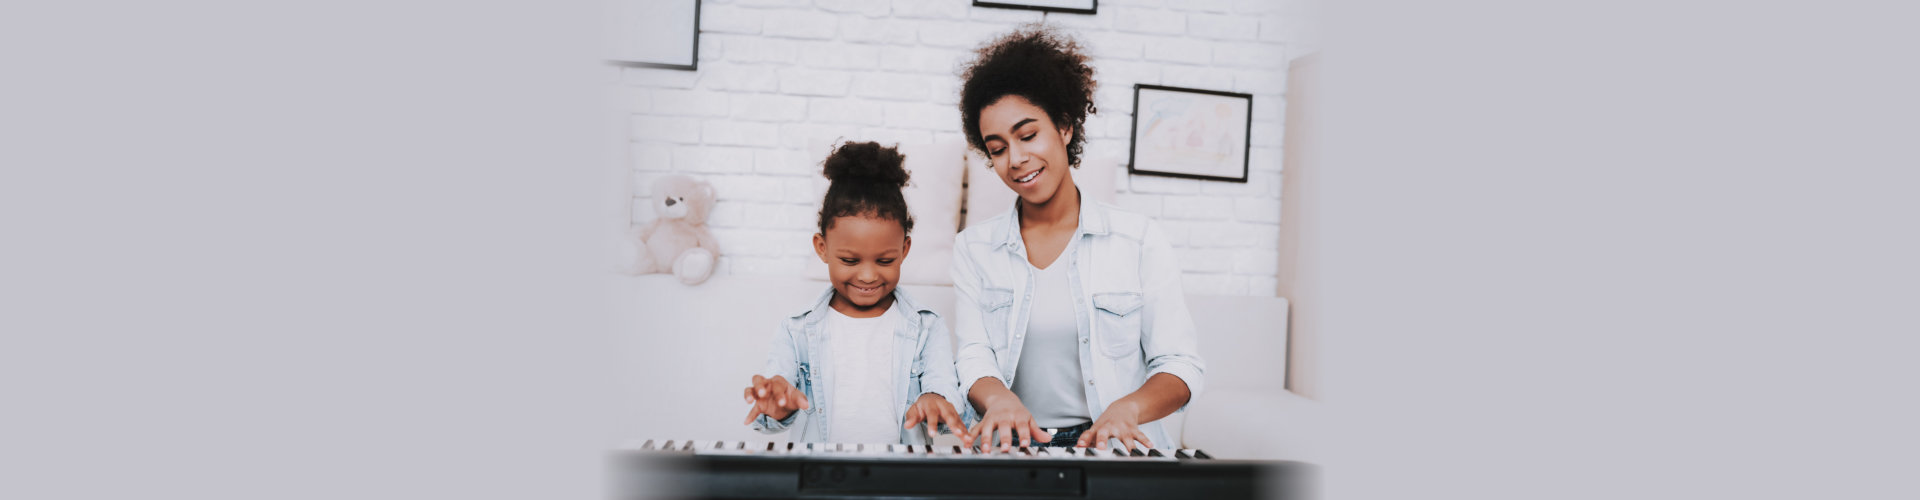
(866, 161)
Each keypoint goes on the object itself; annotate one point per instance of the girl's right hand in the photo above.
(773, 397)
(1007, 418)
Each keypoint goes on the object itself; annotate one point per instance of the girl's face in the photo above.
(863, 256)
(1026, 149)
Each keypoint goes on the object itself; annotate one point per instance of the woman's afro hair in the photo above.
(1036, 62)
(866, 180)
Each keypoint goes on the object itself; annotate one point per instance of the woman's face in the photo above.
(1026, 149)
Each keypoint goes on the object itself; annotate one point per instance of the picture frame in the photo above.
(655, 34)
(1064, 6)
(1190, 133)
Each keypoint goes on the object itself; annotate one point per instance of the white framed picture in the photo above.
(1067, 6)
(1192, 133)
(655, 33)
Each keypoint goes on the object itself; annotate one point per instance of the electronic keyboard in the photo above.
(676, 469)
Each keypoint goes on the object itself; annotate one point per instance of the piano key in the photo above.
(1154, 452)
(1183, 453)
(1201, 455)
(647, 445)
(719, 445)
(1135, 452)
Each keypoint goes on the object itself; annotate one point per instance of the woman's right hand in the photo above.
(774, 397)
(1006, 419)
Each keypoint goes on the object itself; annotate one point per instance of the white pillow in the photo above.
(988, 196)
(933, 198)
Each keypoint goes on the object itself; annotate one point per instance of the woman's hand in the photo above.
(1007, 418)
(1121, 421)
(774, 397)
(935, 410)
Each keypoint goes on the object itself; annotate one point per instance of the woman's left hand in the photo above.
(1121, 421)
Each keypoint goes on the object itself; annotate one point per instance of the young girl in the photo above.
(865, 364)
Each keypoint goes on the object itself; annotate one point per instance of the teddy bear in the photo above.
(677, 241)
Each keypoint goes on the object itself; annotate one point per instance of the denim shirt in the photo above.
(923, 363)
(1130, 311)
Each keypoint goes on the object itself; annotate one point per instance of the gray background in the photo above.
(351, 249)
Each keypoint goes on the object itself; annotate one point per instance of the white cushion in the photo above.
(988, 196)
(933, 198)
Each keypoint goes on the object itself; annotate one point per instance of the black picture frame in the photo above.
(1092, 8)
(693, 54)
(1245, 138)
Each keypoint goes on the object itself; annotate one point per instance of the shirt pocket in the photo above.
(995, 306)
(1117, 322)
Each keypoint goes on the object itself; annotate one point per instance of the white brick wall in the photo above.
(781, 80)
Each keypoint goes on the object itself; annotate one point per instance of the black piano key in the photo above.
(719, 445)
(1182, 454)
(771, 445)
(1154, 452)
(1201, 455)
(670, 445)
(688, 446)
(647, 445)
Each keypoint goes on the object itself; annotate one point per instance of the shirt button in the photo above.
(1083, 340)
(1089, 382)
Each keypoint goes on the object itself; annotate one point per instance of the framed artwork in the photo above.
(1192, 133)
(655, 33)
(1067, 6)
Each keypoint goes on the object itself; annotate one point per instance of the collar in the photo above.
(902, 301)
(1093, 220)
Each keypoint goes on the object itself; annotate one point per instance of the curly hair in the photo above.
(1036, 62)
(866, 180)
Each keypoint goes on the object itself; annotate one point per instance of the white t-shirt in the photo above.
(1048, 378)
(861, 349)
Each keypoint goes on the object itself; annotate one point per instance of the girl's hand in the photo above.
(935, 410)
(1007, 418)
(1121, 421)
(773, 397)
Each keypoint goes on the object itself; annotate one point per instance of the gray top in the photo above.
(1048, 377)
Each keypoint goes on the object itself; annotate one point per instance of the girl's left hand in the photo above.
(935, 410)
(1120, 421)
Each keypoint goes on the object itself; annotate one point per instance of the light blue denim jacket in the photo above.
(922, 363)
(1128, 304)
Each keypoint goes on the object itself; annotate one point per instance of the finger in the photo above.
(1041, 433)
(760, 386)
(1100, 436)
(1007, 435)
(934, 419)
(913, 417)
(752, 413)
(1142, 436)
(952, 419)
(799, 398)
(1025, 430)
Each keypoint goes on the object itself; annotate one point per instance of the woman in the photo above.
(1071, 315)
